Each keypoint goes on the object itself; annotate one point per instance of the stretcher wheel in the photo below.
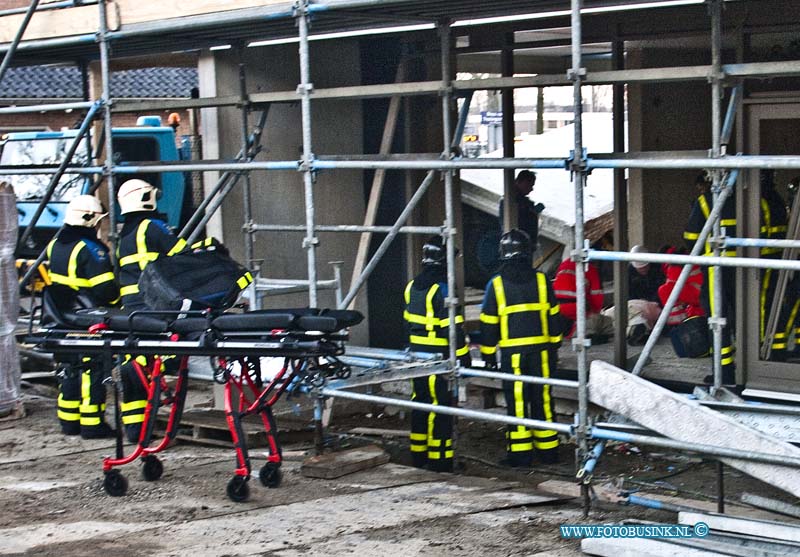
(115, 483)
(270, 475)
(238, 490)
(151, 468)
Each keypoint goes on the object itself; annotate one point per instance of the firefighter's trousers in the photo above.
(727, 309)
(526, 400)
(82, 400)
(431, 433)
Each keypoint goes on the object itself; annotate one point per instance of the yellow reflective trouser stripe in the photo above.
(431, 415)
(132, 419)
(463, 351)
(418, 448)
(521, 432)
(727, 222)
(552, 443)
(68, 403)
(488, 349)
(418, 437)
(68, 416)
(133, 405)
(128, 290)
(763, 301)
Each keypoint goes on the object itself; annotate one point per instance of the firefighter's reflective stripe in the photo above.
(71, 279)
(419, 442)
(133, 412)
(727, 355)
(91, 414)
(520, 438)
(244, 280)
(544, 439)
(435, 451)
(128, 290)
(723, 222)
(142, 257)
(68, 410)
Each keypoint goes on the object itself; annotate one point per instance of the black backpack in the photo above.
(199, 279)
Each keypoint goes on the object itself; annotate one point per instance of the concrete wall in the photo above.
(278, 196)
(664, 117)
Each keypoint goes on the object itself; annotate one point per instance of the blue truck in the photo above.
(149, 140)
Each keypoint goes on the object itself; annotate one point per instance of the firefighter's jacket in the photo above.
(427, 317)
(519, 312)
(698, 217)
(565, 289)
(143, 239)
(80, 267)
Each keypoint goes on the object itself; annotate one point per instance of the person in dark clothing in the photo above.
(428, 322)
(520, 315)
(144, 238)
(644, 279)
(527, 211)
(697, 218)
(82, 276)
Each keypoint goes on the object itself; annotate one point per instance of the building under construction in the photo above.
(332, 145)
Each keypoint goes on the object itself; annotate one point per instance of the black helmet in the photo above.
(515, 244)
(434, 252)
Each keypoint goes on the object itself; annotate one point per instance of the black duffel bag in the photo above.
(690, 339)
(199, 279)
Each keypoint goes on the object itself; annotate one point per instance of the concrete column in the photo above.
(10, 402)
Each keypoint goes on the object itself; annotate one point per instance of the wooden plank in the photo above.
(686, 420)
(334, 465)
(377, 183)
(379, 431)
(640, 547)
(746, 526)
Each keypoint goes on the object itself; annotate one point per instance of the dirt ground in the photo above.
(52, 501)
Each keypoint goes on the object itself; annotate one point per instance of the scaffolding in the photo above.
(579, 163)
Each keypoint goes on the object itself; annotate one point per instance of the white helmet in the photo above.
(137, 195)
(84, 210)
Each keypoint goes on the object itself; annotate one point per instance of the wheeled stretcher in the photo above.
(308, 340)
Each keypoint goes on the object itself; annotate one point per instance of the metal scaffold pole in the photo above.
(247, 200)
(449, 225)
(578, 168)
(716, 321)
(17, 38)
(108, 165)
(306, 87)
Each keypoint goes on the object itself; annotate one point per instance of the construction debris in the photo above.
(335, 465)
(678, 418)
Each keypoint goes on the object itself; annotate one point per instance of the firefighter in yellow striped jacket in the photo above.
(701, 209)
(428, 323)
(82, 276)
(144, 238)
(520, 315)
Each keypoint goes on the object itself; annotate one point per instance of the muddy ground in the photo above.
(52, 501)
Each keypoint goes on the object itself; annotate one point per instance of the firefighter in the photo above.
(699, 215)
(428, 322)
(144, 238)
(82, 276)
(521, 316)
(774, 224)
